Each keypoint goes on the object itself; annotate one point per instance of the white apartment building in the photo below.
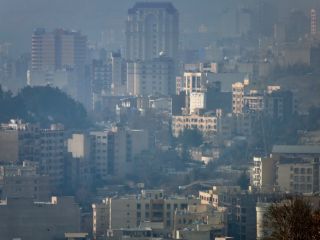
(197, 101)
(207, 124)
(154, 77)
(193, 82)
(254, 102)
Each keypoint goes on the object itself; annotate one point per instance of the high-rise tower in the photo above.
(58, 49)
(313, 19)
(152, 28)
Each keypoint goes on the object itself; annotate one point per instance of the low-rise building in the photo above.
(23, 181)
(207, 124)
(26, 219)
(202, 219)
(151, 209)
(290, 168)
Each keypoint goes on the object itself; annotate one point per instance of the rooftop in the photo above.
(296, 149)
(143, 5)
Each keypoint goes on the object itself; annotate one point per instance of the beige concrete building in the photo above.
(237, 97)
(215, 195)
(44, 146)
(207, 124)
(79, 165)
(18, 181)
(113, 151)
(58, 49)
(28, 220)
(291, 169)
(297, 175)
(150, 209)
(263, 173)
(201, 219)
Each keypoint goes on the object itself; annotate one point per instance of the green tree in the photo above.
(44, 105)
(191, 138)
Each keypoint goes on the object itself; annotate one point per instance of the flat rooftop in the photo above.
(296, 149)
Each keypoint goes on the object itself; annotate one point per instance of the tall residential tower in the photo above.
(152, 28)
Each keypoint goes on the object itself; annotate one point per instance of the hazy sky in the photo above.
(19, 17)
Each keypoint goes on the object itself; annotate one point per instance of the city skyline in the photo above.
(167, 120)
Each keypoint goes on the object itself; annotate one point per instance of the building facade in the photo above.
(154, 77)
(207, 124)
(26, 219)
(152, 28)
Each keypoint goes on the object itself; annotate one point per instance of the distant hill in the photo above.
(44, 105)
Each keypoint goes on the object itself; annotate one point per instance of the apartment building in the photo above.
(263, 173)
(26, 219)
(290, 168)
(241, 208)
(79, 166)
(207, 123)
(30, 142)
(151, 28)
(238, 97)
(202, 219)
(23, 181)
(57, 49)
(152, 208)
(154, 77)
(113, 151)
(197, 102)
(297, 175)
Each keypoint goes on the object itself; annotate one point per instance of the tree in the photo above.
(294, 220)
(44, 105)
(244, 181)
(191, 138)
